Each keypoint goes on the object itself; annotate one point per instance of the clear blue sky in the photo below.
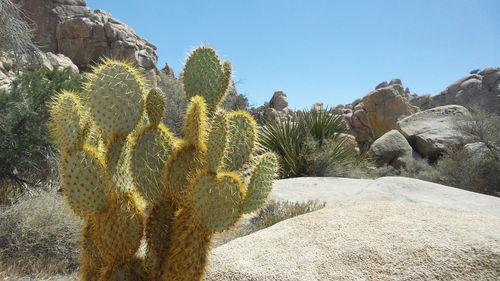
(323, 50)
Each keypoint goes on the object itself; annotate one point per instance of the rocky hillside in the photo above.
(71, 34)
(84, 35)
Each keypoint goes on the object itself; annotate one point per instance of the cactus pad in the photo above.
(86, 183)
(120, 229)
(195, 123)
(205, 76)
(155, 106)
(261, 182)
(116, 98)
(149, 155)
(68, 120)
(241, 138)
(118, 163)
(217, 200)
(179, 172)
(216, 141)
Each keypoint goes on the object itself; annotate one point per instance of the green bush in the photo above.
(39, 234)
(235, 102)
(25, 147)
(311, 146)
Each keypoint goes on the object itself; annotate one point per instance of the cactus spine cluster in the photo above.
(118, 158)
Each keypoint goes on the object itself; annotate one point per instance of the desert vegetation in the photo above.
(27, 155)
(312, 145)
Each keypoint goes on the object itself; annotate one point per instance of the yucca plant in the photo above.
(284, 137)
(321, 125)
(313, 140)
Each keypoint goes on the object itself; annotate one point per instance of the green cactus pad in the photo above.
(115, 95)
(195, 123)
(179, 171)
(261, 182)
(155, 106)
(85, 182)
(117, 161)
(217, 200)
(120, 228)
(205, 76)
(216, 140)
(148, 157)
(241, 138)
(67, 121)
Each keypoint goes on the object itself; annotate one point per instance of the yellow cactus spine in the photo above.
(119, 160)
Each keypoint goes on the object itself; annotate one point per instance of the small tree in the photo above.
(24, 140)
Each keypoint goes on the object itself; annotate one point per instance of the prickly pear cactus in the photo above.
(118, 158)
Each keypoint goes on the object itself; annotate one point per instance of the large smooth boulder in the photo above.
(431, 131)
(478, 90)
(333, 190)
(85, 35)
(385, 106)
(366, 241)
(392, 148)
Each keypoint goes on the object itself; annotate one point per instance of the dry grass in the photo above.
(38, 235)
(271, 213)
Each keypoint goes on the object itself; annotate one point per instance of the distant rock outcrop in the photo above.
(478, 90)
(279, 101)
(85, 35)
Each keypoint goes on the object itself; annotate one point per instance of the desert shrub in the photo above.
(271, 213)
(260, 114)
(175, 105)
(25, 148)
(235, 102)
(39, 234)
(334, 158)
(311, 146)
(479, 173)
(276, 211)
(16, 37)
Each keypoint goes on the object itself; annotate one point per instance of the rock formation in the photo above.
(385, 106)
(45, 60)
(279, 101)
(366, 241)
(85, 35)
(479, 90)
(433, 130)
(392, 148)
